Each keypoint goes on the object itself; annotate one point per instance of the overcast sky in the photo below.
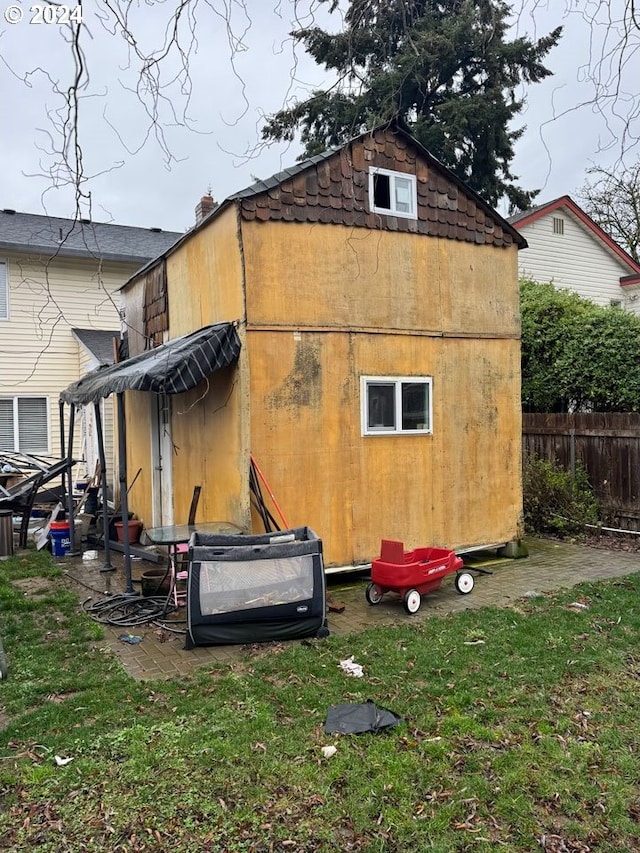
(241, 72)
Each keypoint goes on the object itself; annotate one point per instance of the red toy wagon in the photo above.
(414, 573)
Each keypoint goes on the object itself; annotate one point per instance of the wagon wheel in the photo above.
(373, 593)
(464, 583)
(412, 601)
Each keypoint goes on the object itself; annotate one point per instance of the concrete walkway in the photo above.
(549, 566)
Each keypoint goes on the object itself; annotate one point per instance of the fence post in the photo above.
(572, 452)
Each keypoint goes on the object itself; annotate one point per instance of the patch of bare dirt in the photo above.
(33, 586)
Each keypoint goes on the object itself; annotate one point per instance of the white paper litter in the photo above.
(90, 555)
(328, 751)
(61, 761)
(352, 668)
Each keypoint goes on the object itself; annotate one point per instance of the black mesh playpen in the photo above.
(255, 588)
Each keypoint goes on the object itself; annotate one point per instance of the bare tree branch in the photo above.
(612, 199)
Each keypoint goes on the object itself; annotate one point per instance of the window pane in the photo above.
(381, 406)
(415, 405)
(6, 425)
(404, 195)
(32, 425)
(381, 191)
(4, 291)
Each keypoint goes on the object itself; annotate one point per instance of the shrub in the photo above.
(555, 501)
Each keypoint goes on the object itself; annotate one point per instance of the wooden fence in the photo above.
(608, 447)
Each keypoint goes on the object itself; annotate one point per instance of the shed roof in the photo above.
(98, 342)
(268, 185)
(171, 368)
(37, 234)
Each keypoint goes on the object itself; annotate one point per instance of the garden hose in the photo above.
(128, 611)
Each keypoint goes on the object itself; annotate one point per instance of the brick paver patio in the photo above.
(549, 566)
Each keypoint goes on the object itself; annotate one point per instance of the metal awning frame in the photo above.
(172, 368)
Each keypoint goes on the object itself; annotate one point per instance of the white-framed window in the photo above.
(393, 193)
(396, 405)
(558, 225)
(4, 290)
(24, 424)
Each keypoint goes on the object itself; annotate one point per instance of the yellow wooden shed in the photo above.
(375, 297)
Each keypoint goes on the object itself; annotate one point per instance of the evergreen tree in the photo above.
(445, 67)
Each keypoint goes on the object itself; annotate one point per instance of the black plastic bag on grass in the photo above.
(356, 718)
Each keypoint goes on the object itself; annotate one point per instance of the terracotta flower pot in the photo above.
(135, 529)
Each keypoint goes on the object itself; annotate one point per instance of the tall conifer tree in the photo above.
(446, 67)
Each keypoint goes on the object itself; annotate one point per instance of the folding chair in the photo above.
(178, 557)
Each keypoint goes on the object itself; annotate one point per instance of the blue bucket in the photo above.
(60, 542)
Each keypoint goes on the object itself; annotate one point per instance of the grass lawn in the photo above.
(519, 732)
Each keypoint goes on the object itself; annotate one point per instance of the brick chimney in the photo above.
(204, 208)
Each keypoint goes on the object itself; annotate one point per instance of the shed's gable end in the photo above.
(337, 189)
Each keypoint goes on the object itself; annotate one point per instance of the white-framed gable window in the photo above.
(393, 193)
(24, 424)
(4, 290)
(396, 405)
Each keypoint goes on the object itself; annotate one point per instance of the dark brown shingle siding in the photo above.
(336, 191)
(156, 314)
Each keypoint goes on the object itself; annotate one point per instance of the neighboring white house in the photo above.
(58, 290)
(568, 249)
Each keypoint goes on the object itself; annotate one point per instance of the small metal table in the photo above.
(176, 535)
(173, 535)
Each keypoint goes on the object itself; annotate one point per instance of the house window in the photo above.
(615, 303)
(24, 424)
(4, 290)
(558, 225)
(395, 405)
(393, 193)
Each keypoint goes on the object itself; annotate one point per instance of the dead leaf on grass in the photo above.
(553, 843)
(57, 698)
(634, 811)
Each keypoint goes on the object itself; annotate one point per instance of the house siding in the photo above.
(387, 305)
(39, 355)
(575, 260)
(329, 276)
(206, 277)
